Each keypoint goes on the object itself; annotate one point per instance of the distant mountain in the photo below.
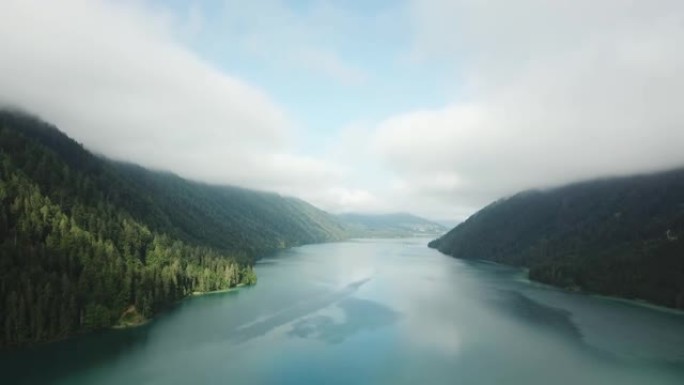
(390, 225)
(88, 243)
(621, 236)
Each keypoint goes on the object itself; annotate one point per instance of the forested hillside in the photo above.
(390, 225)
(622, 237)
(87, 243)
(229, 218)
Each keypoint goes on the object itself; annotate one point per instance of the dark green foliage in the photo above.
(230, 218)
(223, 217)
(86, 243)
(622, 237)
(248, 276)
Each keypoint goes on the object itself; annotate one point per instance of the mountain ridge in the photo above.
(619, 236)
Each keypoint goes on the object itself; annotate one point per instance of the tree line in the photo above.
(87, 243)
(621, 236)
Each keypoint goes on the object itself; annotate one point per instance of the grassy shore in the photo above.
(196, 293)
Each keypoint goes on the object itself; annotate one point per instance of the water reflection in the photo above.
(375, 312)
(45, 364)
(309, 305)
(358, 315)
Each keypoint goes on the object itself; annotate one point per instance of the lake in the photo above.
(375, 312)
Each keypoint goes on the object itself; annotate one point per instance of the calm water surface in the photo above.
(375, 312)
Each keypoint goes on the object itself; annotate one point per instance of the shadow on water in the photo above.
(59, 359)
(540, 316)
(82, 352)
(558, 322)
(359, 315)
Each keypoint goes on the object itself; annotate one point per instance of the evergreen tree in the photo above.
(86, 243)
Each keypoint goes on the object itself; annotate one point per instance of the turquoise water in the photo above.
(375, 312)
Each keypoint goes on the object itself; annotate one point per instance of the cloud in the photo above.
(112, 75)
(542, 93)
(550, 93)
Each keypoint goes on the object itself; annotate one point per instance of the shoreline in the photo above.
(143, 321)
(524, 270)
(201, 293)
(130, 325)
(638, 302)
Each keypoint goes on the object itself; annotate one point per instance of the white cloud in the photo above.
(555, 92)
(112, 76)
(343, 199)
(543, 93)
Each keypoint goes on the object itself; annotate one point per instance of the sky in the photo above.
(435, 107)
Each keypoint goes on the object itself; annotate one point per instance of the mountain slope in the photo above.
(620, 236)
(232, 218)
(396, 224)
(86, 243)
